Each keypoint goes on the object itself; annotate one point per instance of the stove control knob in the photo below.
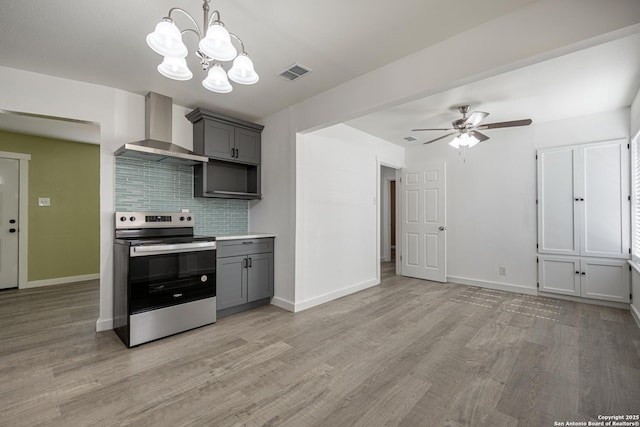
(133, 218)
(204, 278)
(123, 218)
(188, 218)
(181, 218)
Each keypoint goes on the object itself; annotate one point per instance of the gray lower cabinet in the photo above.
(244, 274)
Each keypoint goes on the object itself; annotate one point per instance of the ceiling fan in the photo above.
(467, 129)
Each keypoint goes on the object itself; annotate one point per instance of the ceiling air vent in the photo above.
(294, 72)
(410, 138)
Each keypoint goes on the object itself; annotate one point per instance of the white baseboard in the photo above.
(493, 285)
(104, 325)
(612, 304)
(312, 302)
(61, 280)
(283, 304)
(635, 313)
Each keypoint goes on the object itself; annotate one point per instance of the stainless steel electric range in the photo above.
(164, 276)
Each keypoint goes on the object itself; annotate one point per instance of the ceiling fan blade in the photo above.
(475, 118)
(513, 123)
(479, 136)
(417, 130)
(442, 137)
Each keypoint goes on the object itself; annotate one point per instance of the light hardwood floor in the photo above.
(407, 353)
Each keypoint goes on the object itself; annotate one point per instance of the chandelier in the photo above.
(215, 47)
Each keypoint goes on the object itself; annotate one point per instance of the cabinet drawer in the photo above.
(244, 247)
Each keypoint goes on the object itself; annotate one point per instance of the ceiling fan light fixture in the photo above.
(463, 140)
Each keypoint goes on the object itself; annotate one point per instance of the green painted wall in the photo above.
(64, 239)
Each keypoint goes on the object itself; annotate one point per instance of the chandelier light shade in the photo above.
(242, 71)
(217, 43)
(175, 68)
(217, 81)
(214, 46)
(167, 40)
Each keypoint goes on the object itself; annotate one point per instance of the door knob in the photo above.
(441, 228)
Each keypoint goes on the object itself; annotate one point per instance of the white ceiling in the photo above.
(597, 79)
(102, 42)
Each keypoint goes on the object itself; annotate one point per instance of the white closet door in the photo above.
(604, 196)
(606, 279)
(560, 275)
(558, 216)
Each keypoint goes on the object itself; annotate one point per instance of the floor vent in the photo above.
(294, 72)
(410, 138)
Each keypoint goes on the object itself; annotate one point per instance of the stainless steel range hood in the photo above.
(157, 146)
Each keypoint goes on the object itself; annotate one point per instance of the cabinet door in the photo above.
(605, 279)
(231, 282)
(247, 144)
(260, 283)
(559, 275)
(604, 196)
(558, 211)
(218, 140)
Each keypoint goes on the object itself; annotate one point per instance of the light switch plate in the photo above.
(44, 201)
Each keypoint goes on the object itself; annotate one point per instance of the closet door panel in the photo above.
(558, 228)
(604, 198)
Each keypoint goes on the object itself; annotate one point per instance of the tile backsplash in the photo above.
(151, 186)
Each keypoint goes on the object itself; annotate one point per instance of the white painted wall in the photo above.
(337, 248)
(387, 174)
(120, 115)
(491, 193)
(275, 213)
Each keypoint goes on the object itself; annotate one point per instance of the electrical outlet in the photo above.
(502, 270)
(44, 201)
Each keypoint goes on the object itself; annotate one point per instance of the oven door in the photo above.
(165, 275)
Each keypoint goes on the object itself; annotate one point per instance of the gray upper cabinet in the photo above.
(225, 138)
(247, 145)
(234, 150)
(217, 140)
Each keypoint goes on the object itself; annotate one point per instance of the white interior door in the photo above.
(424, 236)
(9, 200)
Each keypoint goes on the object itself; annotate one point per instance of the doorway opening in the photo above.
(388, 222)
(59, 184)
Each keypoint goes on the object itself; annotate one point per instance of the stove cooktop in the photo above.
(135, 241)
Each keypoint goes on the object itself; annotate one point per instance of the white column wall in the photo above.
(337, 247)
(275, 212)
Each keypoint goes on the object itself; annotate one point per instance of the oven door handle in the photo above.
(171, 249)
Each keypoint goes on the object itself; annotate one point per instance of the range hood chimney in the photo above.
(157, 146)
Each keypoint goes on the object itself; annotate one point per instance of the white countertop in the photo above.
(250, 235)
